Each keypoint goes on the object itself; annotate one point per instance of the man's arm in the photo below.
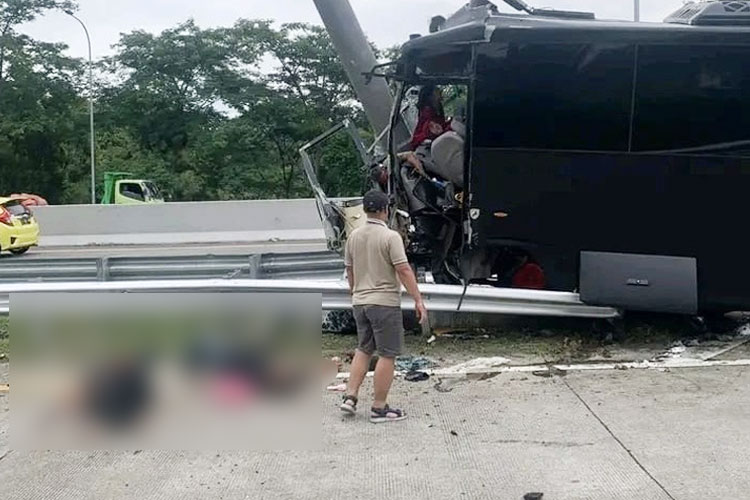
(349, 263)
(350, 278)
(406, 275)
(410, 158)
(401, 263)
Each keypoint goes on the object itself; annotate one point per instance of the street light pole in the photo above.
(91, 109)
(637, 11)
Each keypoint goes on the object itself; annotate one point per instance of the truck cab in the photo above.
(121, 188)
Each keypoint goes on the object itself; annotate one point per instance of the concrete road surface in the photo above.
(637, 434)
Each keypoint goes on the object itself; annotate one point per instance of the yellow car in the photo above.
(19, 230)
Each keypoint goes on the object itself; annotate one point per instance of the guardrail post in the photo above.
(102, 269)
(255, 269)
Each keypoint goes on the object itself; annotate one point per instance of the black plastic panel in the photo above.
(640, 282)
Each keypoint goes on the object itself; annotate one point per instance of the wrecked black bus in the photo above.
(607, 158)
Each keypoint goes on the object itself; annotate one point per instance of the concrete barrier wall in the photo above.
(180, 223)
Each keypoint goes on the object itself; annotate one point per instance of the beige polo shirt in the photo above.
(373, 251)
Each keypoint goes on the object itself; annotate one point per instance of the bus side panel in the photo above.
(568, 202)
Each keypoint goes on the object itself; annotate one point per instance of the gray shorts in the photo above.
(381, 329)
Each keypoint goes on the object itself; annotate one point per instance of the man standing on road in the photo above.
(376, 266)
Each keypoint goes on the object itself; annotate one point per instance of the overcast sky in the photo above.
(386, 22)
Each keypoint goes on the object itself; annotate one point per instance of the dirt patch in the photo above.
(532, 342)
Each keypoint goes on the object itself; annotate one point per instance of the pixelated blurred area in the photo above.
(166, 371)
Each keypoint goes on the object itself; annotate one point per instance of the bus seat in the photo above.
(448, 158)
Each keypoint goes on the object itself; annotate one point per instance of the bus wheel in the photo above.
(529, 276)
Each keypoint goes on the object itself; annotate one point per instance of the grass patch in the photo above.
(530, 340)
(457, 347)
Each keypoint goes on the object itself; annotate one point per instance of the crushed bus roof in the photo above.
(483, 27)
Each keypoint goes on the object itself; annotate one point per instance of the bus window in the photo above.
(454, 98)
(554, 96)
(441, 152)
(690, 97)
(445, 63)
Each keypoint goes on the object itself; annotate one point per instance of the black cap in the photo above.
(375, 201)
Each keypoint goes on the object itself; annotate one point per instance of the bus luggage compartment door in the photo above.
(652, 283)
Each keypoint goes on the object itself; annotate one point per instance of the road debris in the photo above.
(739, 341)
(557, 372)
(416, 376)
(481, 376)
(4, 388)
(447, 385)
(533, 496)
(678, 348)
(478, 365)
(414, 363)
(550, 371)
(426, 328)
(542, 370)
(336, 388)
(454, 433)
(673, 352)
(465, 336)
(441, 388)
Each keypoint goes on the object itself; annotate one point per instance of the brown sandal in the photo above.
(387, 414)
(349, 405)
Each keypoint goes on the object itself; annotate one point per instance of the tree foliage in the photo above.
(209, 114)
(41, 112)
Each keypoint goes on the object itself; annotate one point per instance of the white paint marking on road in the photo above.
(678, 363)
(734, 345)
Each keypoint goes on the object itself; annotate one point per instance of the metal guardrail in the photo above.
(335, 295)
(314, 265)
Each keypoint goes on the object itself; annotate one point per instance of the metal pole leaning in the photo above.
(91, 108)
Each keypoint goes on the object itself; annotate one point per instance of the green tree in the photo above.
(308, 68)
(169, 89)
(214, 113)
(306, 93)
(41, 111)
(15, 12)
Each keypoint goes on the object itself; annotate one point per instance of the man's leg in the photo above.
(387, 323)
(383, 380)
(357, 372)
(361, 361)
